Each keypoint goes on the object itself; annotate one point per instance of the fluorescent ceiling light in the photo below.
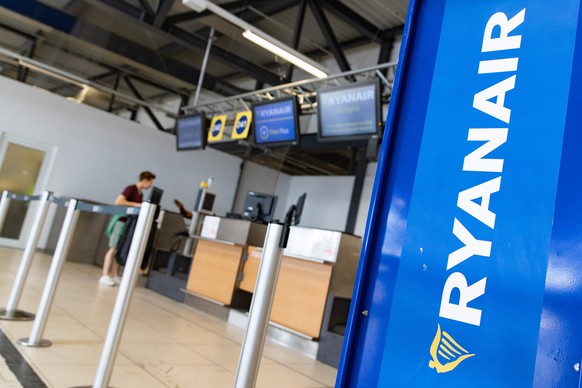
(275, 49)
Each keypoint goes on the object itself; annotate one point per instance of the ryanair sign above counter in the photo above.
(242, 124)
(451, 289)
(216, 128)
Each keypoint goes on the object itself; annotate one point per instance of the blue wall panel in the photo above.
(468, 271)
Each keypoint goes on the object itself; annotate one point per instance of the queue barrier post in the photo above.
(4, 205)
(61, 251)
(266, 283)
(190, 243)
(260, 311)
(126, 289)
(11, 312)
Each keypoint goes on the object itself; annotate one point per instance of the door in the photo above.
(24, 169)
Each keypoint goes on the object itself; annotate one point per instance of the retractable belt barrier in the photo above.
(128, 281)
(11, 312)
(59, 257)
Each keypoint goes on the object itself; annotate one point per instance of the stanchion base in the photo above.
(43, 343)
(88, 386)
(15, 315)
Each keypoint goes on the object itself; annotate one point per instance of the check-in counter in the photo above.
(218, 257)
(316, 264)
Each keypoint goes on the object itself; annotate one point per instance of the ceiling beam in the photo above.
(147, 109)
(244, 12)
(193, 15)
(191, 41)
(391, 33)
(350, 17)
(89, 33)
(329, 35)
(146, 7)
(299, 19)
(163, 10)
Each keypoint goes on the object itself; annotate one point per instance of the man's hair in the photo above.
(147, 175)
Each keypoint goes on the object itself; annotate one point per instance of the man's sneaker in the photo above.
(106, 281)
(117, 280)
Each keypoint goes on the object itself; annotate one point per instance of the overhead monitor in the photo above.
(349, 112)
(191, 132)
(275, 122)
(259, 207)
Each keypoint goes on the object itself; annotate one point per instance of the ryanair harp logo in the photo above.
(447, 349)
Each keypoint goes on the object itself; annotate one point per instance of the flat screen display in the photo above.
(349, 111)
(207, 202)
(275, 122)
(259, 207)
(190, 132)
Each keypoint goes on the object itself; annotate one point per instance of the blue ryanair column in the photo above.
(471, 266)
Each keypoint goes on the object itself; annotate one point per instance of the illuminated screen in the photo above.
(190, 132)
(275, 122)
(351, 111)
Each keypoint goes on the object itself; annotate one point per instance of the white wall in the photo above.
(328, 198)
(255, 177)
(327, 202)
(98, 153)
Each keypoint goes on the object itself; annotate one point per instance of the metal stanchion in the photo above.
(4, 205)
(252, 348)
(189, 245)
(10, 312)
(126, 288)
(61, 251)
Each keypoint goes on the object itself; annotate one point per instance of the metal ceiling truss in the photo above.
(232, 6)
(164, 8)
(297, 89)
(348, 16)
(296, 35)
(310, 156)
(89, 33)
(189, 40)
(329, 35)
(324, 158)
(146, 108)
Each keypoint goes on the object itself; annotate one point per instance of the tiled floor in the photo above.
(164, 344)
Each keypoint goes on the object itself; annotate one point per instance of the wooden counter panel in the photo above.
(301, 295)
(214, 270)
(251, 269)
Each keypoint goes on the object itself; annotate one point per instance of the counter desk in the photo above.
(218, 257)
(317, 264)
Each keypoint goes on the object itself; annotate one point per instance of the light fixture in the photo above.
(260, 38)
(265, 43)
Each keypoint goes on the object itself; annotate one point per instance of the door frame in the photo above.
(41, 181)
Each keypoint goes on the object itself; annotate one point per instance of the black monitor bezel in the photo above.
(206, 194)
(203, 135)
(270, 215)
(282, 143)
(321, 137)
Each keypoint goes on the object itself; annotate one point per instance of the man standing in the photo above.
(131, 196)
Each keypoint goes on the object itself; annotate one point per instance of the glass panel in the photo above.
(18, 173)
